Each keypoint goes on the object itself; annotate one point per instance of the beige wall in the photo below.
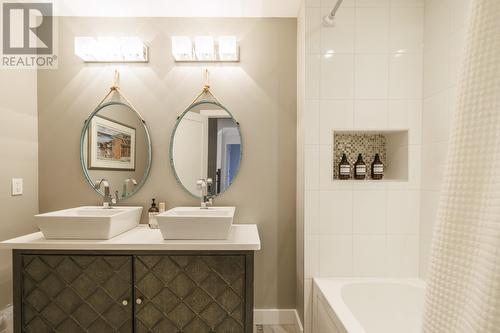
(260, 91)
(18, 143)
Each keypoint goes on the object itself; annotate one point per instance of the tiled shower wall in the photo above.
(364, 73)
(445, 27)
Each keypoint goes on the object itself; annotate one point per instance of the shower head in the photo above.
(329, 20)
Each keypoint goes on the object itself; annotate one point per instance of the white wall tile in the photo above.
(312, 62)
(372, 3)
(340, 37)
(456, 56)
(311, 255)
(311, 212)
(335, 256)
(334, 114)
(369, 185)
(331, 3)
(311, 167)
(369, 255)
(337, 75)
(435, 118)
(311, 121)
(406, 114)
(313, 3)
(407, 3)
(436, 69)
(371, 76)
(407, 30)
(370, 114)
(402, 254)
(313, 30)
(369, 212)
(415, 166)
(405, 76)
(459, 14)
(353, 83)
(372, 30)
(437, 22)
(433, 165)
(429, 207)
(335, 212)
(403, 208)
(308, 297)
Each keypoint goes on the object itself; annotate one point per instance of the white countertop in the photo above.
(241, 237)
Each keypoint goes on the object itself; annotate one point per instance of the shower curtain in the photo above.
(463, 294)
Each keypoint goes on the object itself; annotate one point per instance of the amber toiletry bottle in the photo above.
(153, 212)
(344, 168)
(377, 168)
(359, 168)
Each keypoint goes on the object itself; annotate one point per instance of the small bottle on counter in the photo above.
(359, 168)
(344, 168)
(153, 212)
(162, 207)
(377, 168)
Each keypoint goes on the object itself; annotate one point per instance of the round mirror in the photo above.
(115, 146)
(206, 144)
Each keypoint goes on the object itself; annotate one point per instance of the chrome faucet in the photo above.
(108, 200)
(125, 185)
(204, 185)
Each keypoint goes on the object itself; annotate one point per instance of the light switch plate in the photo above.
(17, 186)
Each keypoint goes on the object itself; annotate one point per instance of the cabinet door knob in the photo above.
(138, 301)
(124, 302)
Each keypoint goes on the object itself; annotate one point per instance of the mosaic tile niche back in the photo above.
(353, 144)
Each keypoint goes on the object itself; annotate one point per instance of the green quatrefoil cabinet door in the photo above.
(76, 293)
(190, 294)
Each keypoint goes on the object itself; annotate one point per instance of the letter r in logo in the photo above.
(27, 28)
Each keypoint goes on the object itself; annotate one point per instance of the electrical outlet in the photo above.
(17, 186)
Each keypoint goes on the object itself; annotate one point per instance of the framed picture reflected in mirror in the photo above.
(111, 145)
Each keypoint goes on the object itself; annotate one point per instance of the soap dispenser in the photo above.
(344, 168)
(153, 212)
(360, 168)
(377, 168)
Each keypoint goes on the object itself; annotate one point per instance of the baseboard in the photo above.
(278, 317)
(261, 317)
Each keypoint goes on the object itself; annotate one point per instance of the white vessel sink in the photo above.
(88, 222)
(196, 223)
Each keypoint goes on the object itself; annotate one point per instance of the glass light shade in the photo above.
(110, 49)
(85, 48)
(133, 49)
(182, 48)
(204, 48)
(228, 48)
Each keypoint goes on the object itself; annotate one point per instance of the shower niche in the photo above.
(391, 145)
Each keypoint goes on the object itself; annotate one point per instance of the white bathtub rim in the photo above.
(331, 291)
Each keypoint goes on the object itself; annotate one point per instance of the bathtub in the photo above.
(367, 305)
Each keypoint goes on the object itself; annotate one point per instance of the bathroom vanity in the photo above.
(134, 282)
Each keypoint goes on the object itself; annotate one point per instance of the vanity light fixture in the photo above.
(182, 48)
(205, 49)
(228, 48)
(111, 49)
